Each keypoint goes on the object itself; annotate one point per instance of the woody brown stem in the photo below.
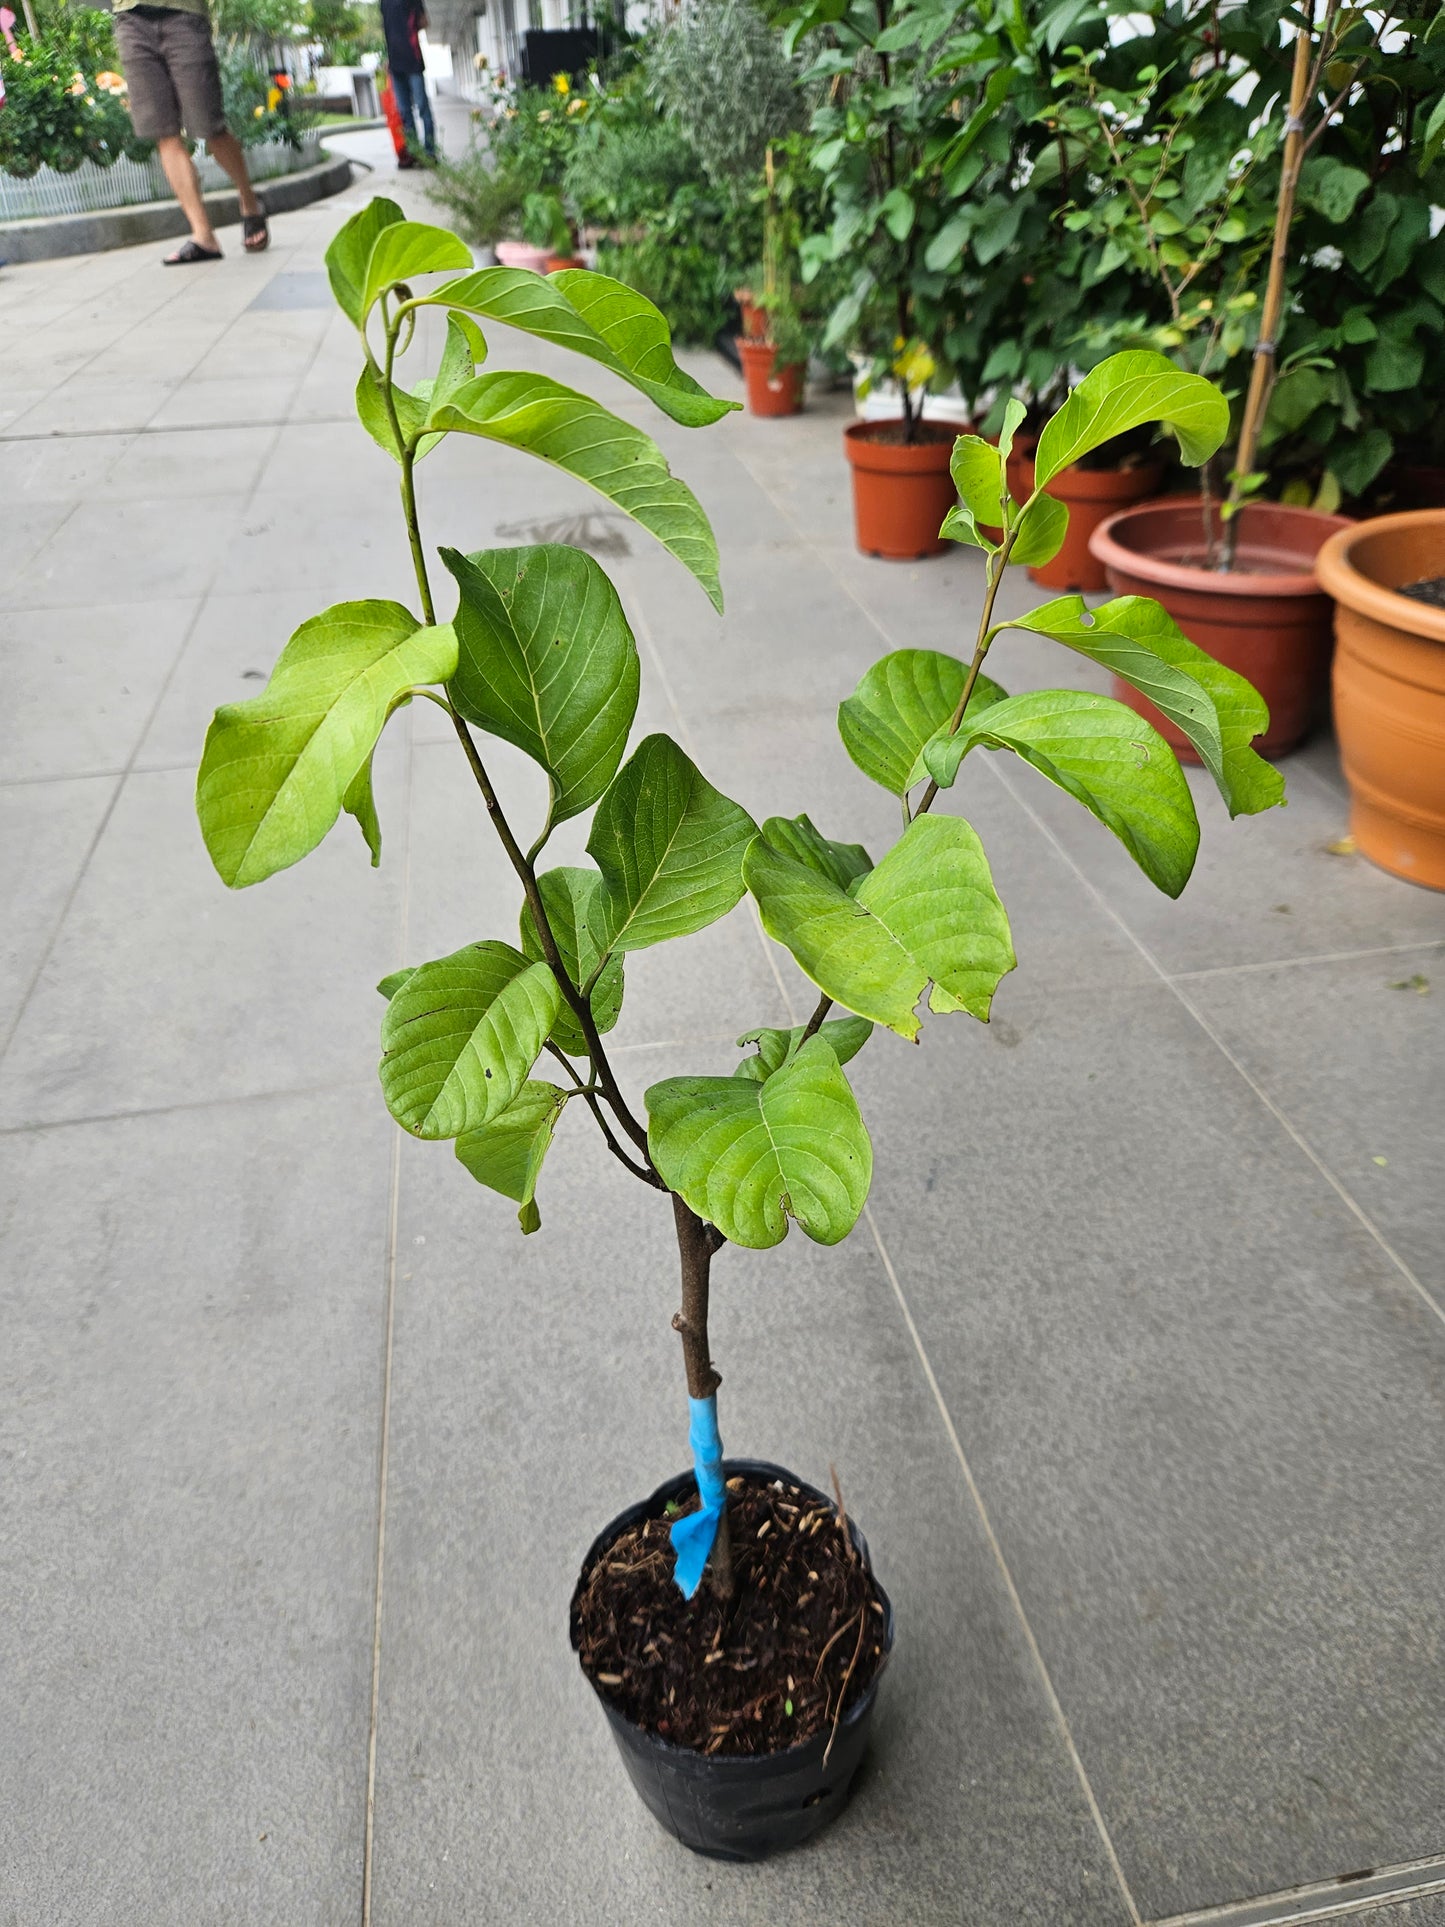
(695, 1247)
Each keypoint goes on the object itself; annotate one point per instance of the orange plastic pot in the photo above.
(1389, 687)
(556, 262)
(1267, 618)
(1091, 496)
(901, 491)
(771, 390)
(754, 318)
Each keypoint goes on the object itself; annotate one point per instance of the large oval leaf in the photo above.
(277, 770)
(669, 846)
(903, 701)
(404, 249)
(460, 1036)
(1115, 764)
(350, 250)
(1216, 709)
(545, 659)
(747, 1157)
(506, 1155)
(1124, 392)
(579, 435)
(928, 911)
(595, 316)
(573, 900)
(796, 836)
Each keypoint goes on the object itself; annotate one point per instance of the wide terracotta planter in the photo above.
(1267, 618)
(521, 254)
(1091, 496)
(901, 491)
(771, 390)
(1389, 686)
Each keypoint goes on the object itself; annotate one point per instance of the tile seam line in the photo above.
(120, 782)
(384, 1459)
(282, 1094)
(1321, 1900)
(1035, 1652)
(1318, 957)
(171, 428)
(1276, 1111)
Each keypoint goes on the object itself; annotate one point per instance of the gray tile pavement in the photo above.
(1132, 1386)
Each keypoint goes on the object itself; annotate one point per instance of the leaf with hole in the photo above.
(844, 1036)
(576, 434)
(669, 846)
(460, 1036)
(1217, 710)
(545, 660)
(278, 770)
(901, 703)
(573, 900)
(747, 1156)
(840, 863)
(506, 1154)
(928, 912)
(1125, 392)
(1101, 752)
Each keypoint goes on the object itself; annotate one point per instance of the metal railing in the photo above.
(90, 189)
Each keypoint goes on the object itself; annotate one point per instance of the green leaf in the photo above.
(460, 1036)
(1217, 710)
(1394, 364)
(928, 911)
(1434, 140)
(350, 250)
(1041, 531)
(576, 434)
(977, 468)
(545, 660)
(844, 1036)
(669, 846)
(506, 1154)
(389, 986)
(1101, 752)
(361, 803)
(594, 316)
(897, 212)
(903, 701)
(278, 770)
(573, 900)
(406, 248)
(1331, 188)
(747, 1157)
(372, 411)
(840, 863)
(1124, 392)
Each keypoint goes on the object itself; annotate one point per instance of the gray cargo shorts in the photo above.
(170, 68)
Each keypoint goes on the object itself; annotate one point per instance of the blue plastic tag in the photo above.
(693, 1536)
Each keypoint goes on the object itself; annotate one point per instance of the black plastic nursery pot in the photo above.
(742, 1807)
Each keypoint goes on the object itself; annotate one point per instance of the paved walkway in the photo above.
(1135, 1373)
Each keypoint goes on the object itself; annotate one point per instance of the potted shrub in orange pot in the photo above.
(1387, 577)
(775, 342)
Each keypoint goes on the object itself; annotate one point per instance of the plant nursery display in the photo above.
(731, 1624)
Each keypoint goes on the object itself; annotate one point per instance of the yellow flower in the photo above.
(273, 99)
(562, 84)
(260, 114)
(546, 114)
(77, 85)
(576, 107)
(915, 367)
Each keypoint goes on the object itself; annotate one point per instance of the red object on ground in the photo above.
(393, 119)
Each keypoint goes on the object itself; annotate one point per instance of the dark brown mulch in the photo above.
(797, 1644)
(892, 434)
(1430, 591)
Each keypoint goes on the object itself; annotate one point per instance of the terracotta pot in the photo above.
(521, 254)
(1091, 496)
(754, 318)
(1390, 689)
(556, 262)
(771, 390)
(1267, 618)
(901, 492)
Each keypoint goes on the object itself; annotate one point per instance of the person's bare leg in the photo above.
(228, 151)
(186, 187)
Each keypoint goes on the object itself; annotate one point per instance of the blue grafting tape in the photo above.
(692, 1537)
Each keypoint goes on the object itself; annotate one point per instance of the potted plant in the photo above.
(876, 142)
(774, 344)
(1237, 574)
(1387, 577)
(743, 1757)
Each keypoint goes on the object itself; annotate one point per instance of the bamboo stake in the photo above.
(1262, 373)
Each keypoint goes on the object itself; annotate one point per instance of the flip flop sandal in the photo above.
(191, 251)
(255, 234)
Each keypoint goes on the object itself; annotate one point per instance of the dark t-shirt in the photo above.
(401, 23)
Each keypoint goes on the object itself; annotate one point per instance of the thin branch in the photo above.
(589, 1092)
(815, 1022)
